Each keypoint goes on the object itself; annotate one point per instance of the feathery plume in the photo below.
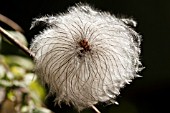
(85, 56)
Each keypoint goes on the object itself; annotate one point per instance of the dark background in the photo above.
(149, 94)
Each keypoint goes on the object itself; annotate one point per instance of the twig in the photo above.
(95, 109)
(11, 23)
(15, 42)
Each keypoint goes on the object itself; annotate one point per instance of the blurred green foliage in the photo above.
(20, 91)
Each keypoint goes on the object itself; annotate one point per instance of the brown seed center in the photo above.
(85, 45)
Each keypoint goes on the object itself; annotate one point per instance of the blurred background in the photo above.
(148, 94)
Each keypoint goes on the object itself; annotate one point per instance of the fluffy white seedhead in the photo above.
(85, 56)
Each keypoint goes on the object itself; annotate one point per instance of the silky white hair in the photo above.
(85, 56)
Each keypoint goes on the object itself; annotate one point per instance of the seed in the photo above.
(85, 56)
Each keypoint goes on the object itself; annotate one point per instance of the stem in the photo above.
(95, 109)
(14, 41)
(11, 23)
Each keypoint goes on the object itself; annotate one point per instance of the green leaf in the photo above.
(19, 36)
(5, 83)
(24, 109)
(19, 72)
(38, 92)
(20, 61)
(41, 110)
(2, 71)
(11, 96)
